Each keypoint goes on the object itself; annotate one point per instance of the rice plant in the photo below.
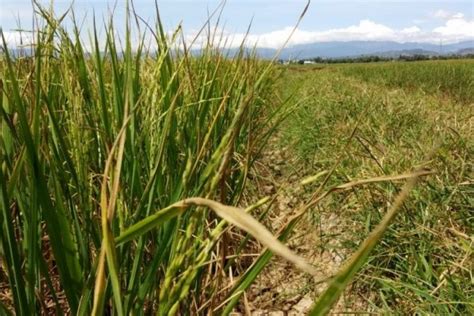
(450, 78)
(96, 139)
(124, 161)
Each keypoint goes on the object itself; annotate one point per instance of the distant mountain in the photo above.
(343, 50)
(405, 52)
(359, 48)
(466, 51)
(17, 52)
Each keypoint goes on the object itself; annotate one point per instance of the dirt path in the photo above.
(319, 236)
(327, 234)
(281, 289)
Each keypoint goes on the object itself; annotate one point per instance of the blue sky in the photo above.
(402, 20)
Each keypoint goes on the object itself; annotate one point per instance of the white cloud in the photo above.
(447, 15)
(441, 14)
(365, 30)
(16, 39)
(455, 29)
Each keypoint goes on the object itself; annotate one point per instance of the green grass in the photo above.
(118, 166)
(423, 263)
(449, 78)
(95, 142)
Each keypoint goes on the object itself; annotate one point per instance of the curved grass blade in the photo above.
(233, 215)
(347, 273)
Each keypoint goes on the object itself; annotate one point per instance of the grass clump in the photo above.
(423, 263)
(96, 140)
(451, 78)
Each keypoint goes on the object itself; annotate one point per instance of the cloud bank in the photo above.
(446, 15)
(16, 38)
(455, 27)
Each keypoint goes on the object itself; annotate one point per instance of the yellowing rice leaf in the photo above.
(233, 215)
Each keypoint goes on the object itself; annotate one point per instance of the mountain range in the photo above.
(346, 50)
(365, 48)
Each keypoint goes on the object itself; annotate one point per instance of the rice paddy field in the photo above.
(376, 120)
(136, 181)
